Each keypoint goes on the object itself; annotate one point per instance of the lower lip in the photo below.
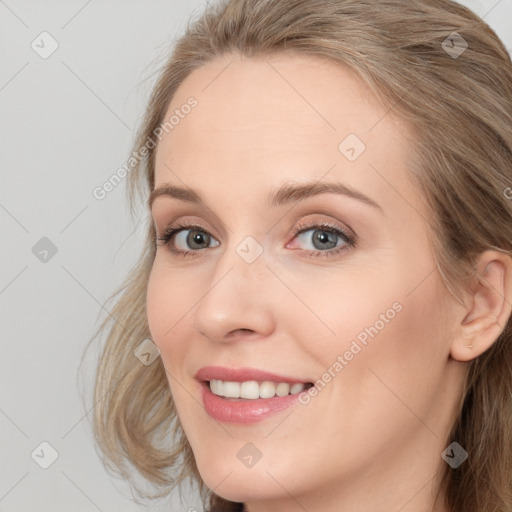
(232, 410)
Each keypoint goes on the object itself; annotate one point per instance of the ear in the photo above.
(489, 306)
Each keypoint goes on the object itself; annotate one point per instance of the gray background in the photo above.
(66, 124)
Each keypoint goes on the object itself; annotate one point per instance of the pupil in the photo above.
(196, 237)
(325, 236)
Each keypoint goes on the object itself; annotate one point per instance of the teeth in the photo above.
(283, 389)
(231, 389)
(251, 390)
(296, 388)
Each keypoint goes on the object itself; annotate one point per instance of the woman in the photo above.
(322, 308)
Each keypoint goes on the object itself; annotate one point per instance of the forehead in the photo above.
(277, 118)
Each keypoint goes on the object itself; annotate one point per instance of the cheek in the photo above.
(166, 303)
(354, 311)
(167, 307)
(157, 303)
(403, 353)
(390, 343)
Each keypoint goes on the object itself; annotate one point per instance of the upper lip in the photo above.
(225, 374)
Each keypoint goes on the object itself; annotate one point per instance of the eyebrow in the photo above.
(287, 193)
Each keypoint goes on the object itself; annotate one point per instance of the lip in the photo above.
(236, 410)
(208, 373)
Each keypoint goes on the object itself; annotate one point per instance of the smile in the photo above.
(246, 395)
(253, 390)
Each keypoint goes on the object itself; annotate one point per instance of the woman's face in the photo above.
(337, 288)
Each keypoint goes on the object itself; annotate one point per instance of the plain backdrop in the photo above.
(67, 121)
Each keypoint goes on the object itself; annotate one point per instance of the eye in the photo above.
(324, 239)
(188, 236)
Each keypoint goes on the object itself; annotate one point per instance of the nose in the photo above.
(237, 300)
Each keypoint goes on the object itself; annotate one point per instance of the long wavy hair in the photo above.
(460, 107)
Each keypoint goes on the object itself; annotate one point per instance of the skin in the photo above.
(372, 438)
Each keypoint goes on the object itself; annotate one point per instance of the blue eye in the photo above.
(325, 240)
(195, 239)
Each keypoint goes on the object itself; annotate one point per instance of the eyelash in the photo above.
(349, 240)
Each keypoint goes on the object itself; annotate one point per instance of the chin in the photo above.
(234, 482)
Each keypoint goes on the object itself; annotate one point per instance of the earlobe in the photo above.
(489, 307)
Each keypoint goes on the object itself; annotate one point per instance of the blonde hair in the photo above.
(461, 112)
